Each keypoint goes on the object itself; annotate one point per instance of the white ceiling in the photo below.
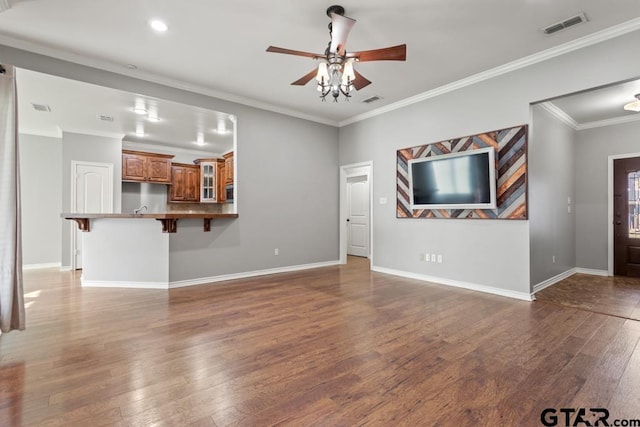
(75, 107)
(218, 48)
(600, 106)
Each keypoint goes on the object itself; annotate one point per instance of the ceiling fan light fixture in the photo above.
(635, 105)
(348, 74)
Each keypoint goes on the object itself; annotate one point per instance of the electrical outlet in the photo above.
(439, 259)
(276, 251)
(426, 257)
(433, 257)
(553, 259)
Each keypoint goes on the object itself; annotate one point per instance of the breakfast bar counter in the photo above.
(169, 220)
(133, 250)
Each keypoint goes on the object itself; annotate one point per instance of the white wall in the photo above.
(491, 253)
(594, 146)
(41, 186)
(551, 183)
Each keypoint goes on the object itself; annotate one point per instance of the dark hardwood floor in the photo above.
(335, 346)
(615, 296)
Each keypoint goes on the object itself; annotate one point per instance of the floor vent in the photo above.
(565, 23)
(372, 99)
(41, 107)
(105, 118)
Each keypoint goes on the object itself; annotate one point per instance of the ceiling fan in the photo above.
(335, 73)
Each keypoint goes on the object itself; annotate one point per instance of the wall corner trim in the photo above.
(43, 265)
(455, 283)
(553, 280)
(603, 273)
(122, 284)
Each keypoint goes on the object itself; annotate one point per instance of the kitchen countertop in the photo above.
(168, 220)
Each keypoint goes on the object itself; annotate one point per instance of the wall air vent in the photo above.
(41, 107)
(105, 118)
(565, 23)
(371, 99)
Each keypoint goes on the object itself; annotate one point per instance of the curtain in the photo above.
(11, 293)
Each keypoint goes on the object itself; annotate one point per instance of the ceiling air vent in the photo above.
(41, 107)
(105, 118)
(372, 99)
(565, 23)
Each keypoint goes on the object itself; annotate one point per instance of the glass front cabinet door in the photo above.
(209, 175)
(208, 180)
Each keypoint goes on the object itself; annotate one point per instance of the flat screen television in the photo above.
(463, 180)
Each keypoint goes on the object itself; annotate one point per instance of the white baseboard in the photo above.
(130, 285)
(65, 268)
(248, 274)
(39, 266)
(455, 283)
(553, 280)
(201, 280)
(592, 272)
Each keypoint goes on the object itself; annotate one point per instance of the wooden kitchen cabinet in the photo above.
(228, 168)
(139, 166)
(185, 183)
(210, 179)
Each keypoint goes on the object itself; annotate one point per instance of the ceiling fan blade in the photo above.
(306, 78)
(340, 28)
(394, 53)
(293, 52)
(360, 81)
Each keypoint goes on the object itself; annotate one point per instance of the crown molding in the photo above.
(93, 132)
(591, 39)
(57, 133)
(154, 78)
(609, 122)
(142, 146)
(559, 114)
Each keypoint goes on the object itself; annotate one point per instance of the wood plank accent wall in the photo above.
(511, 172)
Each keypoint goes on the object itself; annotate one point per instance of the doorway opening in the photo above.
(356, 211)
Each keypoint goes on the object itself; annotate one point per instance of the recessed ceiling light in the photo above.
(200, 140)
(131, 67)
(154, 119)
(158, 25)
(139, 130)
(139, 110)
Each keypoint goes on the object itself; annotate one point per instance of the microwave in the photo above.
(228, 191)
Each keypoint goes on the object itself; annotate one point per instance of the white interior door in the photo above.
(358, 216)
(91, 192)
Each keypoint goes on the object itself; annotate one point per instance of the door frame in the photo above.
(349, 171)
(74, 199)
(610, 232)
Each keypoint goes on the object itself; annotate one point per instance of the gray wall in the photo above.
(287, 199)
(484, 252)
(287, 182)
(89, 148)
(594, 146)
(41, 186)
(551, 184)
